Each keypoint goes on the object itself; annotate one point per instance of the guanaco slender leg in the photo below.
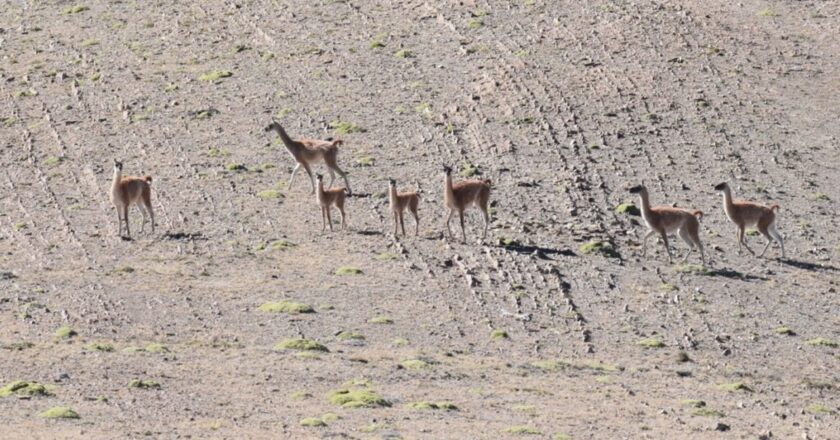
(332, 176)
(311, 177)
(687, 239)
(125, 215)
(343, 176)
(778, 237)
(323, 219)
(486, 222)
(644, 242)
(416, 223)
(743, 239)
(142, 213)
(343, 218)
(402, 223)
(395, 223)
(292, 179)
(463, 231)
(119, 221)
(667, 247)
(448, 219)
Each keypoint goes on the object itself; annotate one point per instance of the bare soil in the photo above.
(563, 104)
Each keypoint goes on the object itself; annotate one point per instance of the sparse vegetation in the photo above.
(60, 412)
(787, 331)
(694, 269)
(604, 248)
(300, 344)
(381, 320)
(269, 194)
(349, 336)
(628, 208)
(404, 53)
(286, 307)
(820, 341)
(523, 430)
(499, 334)
(735, 386)
(357, 398)
(423, 405)
(414, 364)
(24, 388)
(344, 127)
(347, 270)
(215, 75)
(312, 422)
(65, 332)
(100, 346)
(143, 384)
(816, 408)
(75, 9)
(652, 343)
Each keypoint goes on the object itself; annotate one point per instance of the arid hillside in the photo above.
(238, 318)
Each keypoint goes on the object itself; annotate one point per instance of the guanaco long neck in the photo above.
(117, 177)
(728, 204)
(392, 195)
(448, 193)
(287, 141)
(646, 211)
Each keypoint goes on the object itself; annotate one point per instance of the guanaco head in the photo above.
(637, 189)
(392, 182)
(319, 177)
(721, 186)
(117, 165)
(272, 126)
(447, 170)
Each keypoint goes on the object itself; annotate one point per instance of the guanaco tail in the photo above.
(130, 190)
(308, 152)
(327, 198)
(462, 195)
(399, 202)
(663, 220)
(747, 214)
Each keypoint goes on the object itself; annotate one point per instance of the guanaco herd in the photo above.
(457, 197)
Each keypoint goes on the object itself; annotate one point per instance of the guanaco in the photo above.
(401, 201)
(746, 214)
(327, 198)
(131, 190)
(462, 195)
(665, 219)
(307, 152)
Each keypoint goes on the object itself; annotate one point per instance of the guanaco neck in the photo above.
(448, 193)
(647, 213)
(728, 204)
(392, 195)
(287, 141)
(117, 177)
(321, 192)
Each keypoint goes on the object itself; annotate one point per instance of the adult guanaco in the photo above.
(747, 214)
(462, 195)
(665, 219)
(307, 152)
(399, 202)
(327, 198)
(131, 190)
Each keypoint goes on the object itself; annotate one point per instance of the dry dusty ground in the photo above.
(564, 104)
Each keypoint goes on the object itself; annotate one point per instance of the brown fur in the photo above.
(327, 198)
(460, 196)
(399, 202)
(307, 152)
(130, 190)
(665, 219)
(746, 214)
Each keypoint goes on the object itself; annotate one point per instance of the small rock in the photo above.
(721, 427)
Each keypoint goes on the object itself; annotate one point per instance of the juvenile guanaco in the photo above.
(307, 152)
(327, 198)
(746, 214)
(665, 219)
(130, 190)
(462, 195)
(401, 201)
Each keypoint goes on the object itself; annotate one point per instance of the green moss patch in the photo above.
(344, 127)
(822, 342)
(522, 430)
(215, 75)
(423, 405)
(628, 208)
(269, 194)
(156, 348)
(144, 384)
(787, 331)
(817, 408)
(499, 334)
(60, 412)
(100, 346)
(386, 256)
(357, 398)
(346, 270)
(381, 320)
(300, 395)
(604, 248)
(695, 269)
(707, 412)
(735, 386)
(349, 336)
(404, 53)
(300, 344)
(366, 161)
(399, 342)
(414, 364)
(286, 307)
(235, 167)
(24, 388)
(65, 332)
(651, 343)
(312, 422)
(75, 9)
